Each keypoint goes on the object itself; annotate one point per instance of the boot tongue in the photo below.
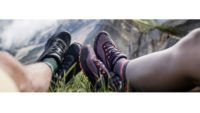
(113, 54)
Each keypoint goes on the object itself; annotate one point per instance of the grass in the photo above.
(79, 83)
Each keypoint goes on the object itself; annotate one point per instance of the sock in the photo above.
(52, 63)
(120, 67)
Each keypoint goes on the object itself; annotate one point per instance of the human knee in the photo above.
(5, 60)
(9, 60)
(4, 55)
(191, 40)
(10, 64)
(195, 33)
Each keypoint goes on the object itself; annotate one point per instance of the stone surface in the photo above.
(29, 54)
(152, 41)
(183, 27)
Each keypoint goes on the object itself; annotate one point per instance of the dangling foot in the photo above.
(93, 68)
(111, 56)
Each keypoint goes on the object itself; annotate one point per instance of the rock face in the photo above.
(182, 27)
(125, 33)
(29, 54)
(149, 42)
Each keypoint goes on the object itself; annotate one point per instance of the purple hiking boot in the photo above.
(112, 57)
(93, 68)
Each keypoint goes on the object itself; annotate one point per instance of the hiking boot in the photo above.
(110, 55)
(56, 47)
(70, 65)
(93, 68)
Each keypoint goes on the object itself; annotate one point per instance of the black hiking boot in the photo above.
(70, 65)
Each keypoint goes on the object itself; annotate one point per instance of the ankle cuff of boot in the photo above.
(123, 75)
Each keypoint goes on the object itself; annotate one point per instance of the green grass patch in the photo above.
(79, 83)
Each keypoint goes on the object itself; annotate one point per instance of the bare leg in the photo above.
(34, 77)
(39, 75)
(174, 69)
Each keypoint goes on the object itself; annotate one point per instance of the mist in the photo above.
(20, 32)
